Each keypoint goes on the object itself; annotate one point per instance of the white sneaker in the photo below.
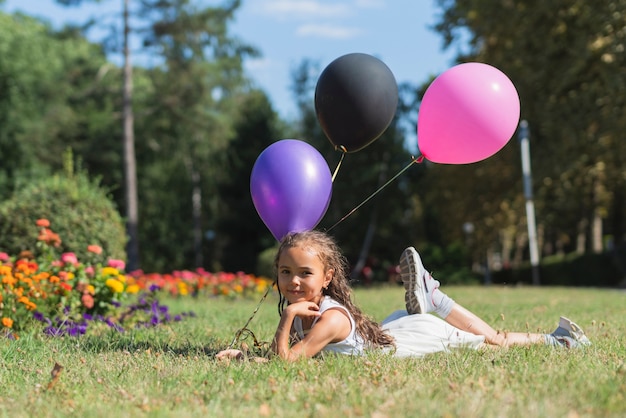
(418, 283)
(570, 333)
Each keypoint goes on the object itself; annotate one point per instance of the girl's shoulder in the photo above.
(329, 303)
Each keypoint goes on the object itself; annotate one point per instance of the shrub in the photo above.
(265, 263)
(81, 211)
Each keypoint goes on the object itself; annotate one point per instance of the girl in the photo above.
(317, 313)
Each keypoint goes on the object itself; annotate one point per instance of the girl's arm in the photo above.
(332, 326)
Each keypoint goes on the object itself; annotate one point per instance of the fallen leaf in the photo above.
(55, 373)
(264, 410)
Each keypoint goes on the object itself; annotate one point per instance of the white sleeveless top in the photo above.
(415, 335)
(353, 344)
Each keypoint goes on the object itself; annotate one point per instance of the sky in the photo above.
(398, 32)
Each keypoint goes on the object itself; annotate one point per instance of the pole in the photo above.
(530, 205)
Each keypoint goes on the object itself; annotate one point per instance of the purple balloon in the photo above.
(291, 187)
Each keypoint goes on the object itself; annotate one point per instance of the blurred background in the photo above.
(155, 104)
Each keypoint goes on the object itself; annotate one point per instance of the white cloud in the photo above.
(328, 31)
(305, 8)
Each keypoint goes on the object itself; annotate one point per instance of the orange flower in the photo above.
(43, 223)
(7, 322)
(46, 235)
(87, 300)
(27, 255)
(9, 280)
(96, 249)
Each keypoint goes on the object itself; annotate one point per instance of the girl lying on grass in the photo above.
(317, 313)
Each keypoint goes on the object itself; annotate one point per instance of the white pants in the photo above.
(421, 334)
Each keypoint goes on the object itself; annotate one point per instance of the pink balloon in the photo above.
(468, 114)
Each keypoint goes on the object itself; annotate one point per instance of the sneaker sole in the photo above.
(576, 331)
(412, 281)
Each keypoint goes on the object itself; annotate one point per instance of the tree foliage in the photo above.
(200, 124)
(51, 94)
(566, 60)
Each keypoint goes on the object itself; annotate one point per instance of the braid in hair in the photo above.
(339, 288)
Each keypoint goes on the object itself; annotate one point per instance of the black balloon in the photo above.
(355, 100)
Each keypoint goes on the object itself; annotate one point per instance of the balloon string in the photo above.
(343, 154)
(414, 160)
(245, 327)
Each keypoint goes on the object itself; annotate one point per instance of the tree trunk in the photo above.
(196, 202)
(596, 232)
(581, 238)
(130, 171)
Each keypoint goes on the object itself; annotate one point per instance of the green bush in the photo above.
(79, 210)
(265, 263)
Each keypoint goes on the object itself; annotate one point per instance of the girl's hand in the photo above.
(227, 355)
(304, 309)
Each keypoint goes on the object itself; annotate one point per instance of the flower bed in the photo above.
(64, 296)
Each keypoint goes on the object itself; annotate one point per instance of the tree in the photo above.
(566, 60)
(53, 91)
(181, 120)
(198, 86)
(240, 235)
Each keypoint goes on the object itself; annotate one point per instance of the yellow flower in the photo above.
(109, 271)
(91, 290)
(121, 278)
(7, 322)
(182, 289)
(133, 288)
(115, 285)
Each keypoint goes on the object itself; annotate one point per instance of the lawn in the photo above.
(170, 371)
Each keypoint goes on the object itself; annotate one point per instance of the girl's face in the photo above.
(301, 275)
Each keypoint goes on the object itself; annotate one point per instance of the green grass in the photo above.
(170, 371)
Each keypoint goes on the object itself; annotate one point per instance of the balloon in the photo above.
(290, 186)
(468, 114)
(355, 100)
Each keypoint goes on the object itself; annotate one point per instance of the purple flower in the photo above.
(52, 331)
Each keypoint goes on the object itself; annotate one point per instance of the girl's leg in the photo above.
(465, 320)
(424, 296)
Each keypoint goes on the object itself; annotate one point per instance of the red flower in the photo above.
(65, 286)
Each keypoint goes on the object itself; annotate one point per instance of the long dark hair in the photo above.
(339, 288)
